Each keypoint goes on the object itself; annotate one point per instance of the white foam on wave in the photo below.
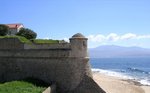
(144, 82)
(112, 73)
(121, 75)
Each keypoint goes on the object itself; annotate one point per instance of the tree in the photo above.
(3, 30)
(27, 33)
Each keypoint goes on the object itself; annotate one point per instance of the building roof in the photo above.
(78, 35)
(14, 25)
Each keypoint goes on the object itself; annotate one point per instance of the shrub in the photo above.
(3, 30)
(27, 33)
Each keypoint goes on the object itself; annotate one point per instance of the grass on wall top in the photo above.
(22, 39)
(37, 41)
(45, 41)
(20, 87)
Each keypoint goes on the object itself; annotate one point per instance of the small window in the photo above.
(84, 43)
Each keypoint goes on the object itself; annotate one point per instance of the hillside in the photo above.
(110, 51)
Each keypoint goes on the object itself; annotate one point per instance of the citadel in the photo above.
(65, 65)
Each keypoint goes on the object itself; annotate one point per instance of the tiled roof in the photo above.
(14, 25)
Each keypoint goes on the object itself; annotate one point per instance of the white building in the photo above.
(14, 28)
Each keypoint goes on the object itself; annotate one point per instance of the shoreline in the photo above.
(112, 84)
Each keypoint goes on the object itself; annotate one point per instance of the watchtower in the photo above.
(79, 45)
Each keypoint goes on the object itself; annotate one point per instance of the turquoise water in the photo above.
(129, 68)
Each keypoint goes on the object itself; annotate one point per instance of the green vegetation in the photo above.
(22, 39)
(45, 41)
(37, 41)
(27, 33)
(3, 30)
(20, 87)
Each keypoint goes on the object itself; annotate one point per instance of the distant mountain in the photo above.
(112, 51)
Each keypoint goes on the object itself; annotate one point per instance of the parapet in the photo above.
(10, 43)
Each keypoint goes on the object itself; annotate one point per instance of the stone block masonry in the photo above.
(65, 64)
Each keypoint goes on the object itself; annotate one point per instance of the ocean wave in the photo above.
(143, 81)
(138, 70)
(112, 73)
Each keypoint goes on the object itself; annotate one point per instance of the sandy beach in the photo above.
(117, 85)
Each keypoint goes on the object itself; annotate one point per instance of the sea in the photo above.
(137, 69)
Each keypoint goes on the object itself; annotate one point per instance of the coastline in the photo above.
(113, 84)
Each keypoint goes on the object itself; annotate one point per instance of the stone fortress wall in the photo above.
(65, 64)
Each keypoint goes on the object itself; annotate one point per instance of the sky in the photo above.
(103, 22)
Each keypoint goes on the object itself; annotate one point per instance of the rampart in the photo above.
(65, 64)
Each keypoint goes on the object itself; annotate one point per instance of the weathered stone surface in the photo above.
(78, 35)
(88, 85)
(10, 43)
(67, 65)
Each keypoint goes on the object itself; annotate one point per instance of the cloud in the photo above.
(96, 38)
(128, 36)
(46, 38)
(143, 36)
(113, 37)
(66, 39)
